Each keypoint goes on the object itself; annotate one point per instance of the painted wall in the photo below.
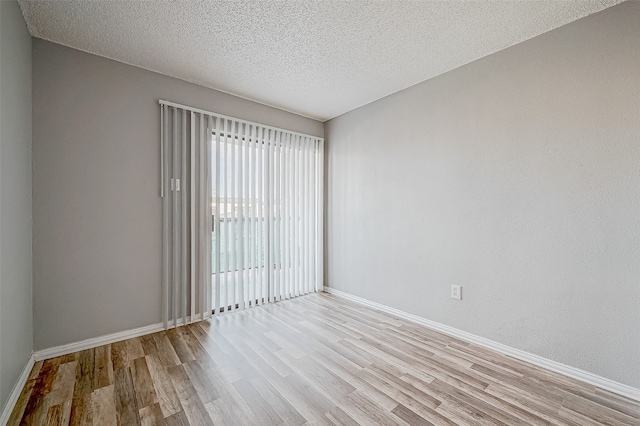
(96, 175)
(516, 176)
(16, 317)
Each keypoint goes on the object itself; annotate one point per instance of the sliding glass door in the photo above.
(265, 213)
(242, 214)
(239, 234)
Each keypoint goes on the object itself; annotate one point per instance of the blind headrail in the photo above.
(253, 123)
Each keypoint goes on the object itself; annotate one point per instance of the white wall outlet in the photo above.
(456, 292)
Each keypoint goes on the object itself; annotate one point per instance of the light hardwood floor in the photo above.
(312, 360)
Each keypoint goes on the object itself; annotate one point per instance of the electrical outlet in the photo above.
(456, 292)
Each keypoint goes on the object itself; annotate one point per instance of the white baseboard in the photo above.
(96, 341)
(15, 392)
(574, 373)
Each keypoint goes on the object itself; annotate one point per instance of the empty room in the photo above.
(365, 212)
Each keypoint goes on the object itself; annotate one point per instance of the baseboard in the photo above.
(15, 392)
(96, 341)
(572, 372)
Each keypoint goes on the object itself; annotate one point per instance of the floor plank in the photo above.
(103, 406)
(143, 383)
(125, 398)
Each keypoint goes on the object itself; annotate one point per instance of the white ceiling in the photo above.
(315, 58)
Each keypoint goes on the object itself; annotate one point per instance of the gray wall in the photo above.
(516, 176)
(16, 324)
(97, 211)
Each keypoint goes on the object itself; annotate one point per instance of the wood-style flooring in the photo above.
(312, 360)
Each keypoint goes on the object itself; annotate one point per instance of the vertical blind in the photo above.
(242, 214)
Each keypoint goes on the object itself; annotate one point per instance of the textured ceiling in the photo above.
(315, 58)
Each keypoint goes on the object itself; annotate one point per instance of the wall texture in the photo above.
(16, 317)
(96, 173)
(516, 176)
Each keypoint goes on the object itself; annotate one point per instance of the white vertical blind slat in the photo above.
(308, 215)
(261, 232)
(254, 216)
(192, 211)
(245, 215)
(207, 196)
(280, 204)
(202, 237)
(274, 217)
(218, 230)
(241, 197)
(285, 209)
(225, 216)
(269, 215)
(234, 225)
(310, 211)
(320, 220)
(183, 217)
(268, 206)
(296, 215)
(292, 206)
(307, 238)
(249, 216)
(294, 192)
(166, 211)
(175, 230)
(276, 220)
(303, 215)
